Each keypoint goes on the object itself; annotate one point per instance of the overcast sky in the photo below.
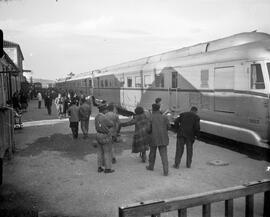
(59, 37)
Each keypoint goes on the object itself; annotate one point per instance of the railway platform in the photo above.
(52, 173)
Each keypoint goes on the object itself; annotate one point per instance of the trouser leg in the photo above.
(143, 156)
(152, 156)
(113, 152)
(61, 109)
(179, 150)
(164, 159)
(100, 155)
(49, 110)
(189, 153)
(77, 130)
(73, 130)
(108, 155)
(83, 126)
(39, 104)
(86, 126)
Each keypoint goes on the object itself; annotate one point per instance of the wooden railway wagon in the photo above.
(7, 144)
(227, 79)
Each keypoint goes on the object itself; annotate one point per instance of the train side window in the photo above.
(147, 81)
(159, 80)
(101, 83)
(116, 83)
(129, 82)
(90, 83)
(106, 83)
(122, 82)
(204, 78)
(138, 81)
(257, 81)
(174, 79)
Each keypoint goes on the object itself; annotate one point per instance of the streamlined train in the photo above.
(227, 79)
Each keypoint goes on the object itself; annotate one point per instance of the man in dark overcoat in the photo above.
(159, 139)
(188, 128)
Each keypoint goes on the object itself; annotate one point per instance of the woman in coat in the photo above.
(141, 138)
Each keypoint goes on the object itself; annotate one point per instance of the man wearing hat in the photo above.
(104, 139)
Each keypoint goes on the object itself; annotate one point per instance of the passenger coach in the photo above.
(227, 79)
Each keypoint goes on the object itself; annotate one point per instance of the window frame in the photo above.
(205, 78)
(129, 79)
(146, 85)
(138, 84)
(254, 83)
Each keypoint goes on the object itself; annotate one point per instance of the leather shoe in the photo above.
(175, 166)
(108, 171)
(100, 169)
(149, 168)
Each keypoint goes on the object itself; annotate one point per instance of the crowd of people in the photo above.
(150, 134)
(19, 101)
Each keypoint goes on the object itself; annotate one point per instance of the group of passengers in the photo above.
(151, 132)
(19, 101)
(62, 101)
(151, 129)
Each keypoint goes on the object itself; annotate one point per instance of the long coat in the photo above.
(159, 125)
(141, 138)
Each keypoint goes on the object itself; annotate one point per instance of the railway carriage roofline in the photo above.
(247, 46)
(251, 50)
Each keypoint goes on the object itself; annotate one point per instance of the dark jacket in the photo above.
(85, 111)
(187, 125)
(48, 101)
(73, 112)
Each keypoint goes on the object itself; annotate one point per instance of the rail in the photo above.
(155, 208)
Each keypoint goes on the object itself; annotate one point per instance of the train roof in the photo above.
(247, 45)
(201, 48)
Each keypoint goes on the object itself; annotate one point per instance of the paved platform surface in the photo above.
(51, 172)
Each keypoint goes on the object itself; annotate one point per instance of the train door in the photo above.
(173, 91)
(98, 87)
(122, 89)
(258, 116)
(224, 100)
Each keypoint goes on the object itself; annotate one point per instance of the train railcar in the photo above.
(79, 83)
(227, 79)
